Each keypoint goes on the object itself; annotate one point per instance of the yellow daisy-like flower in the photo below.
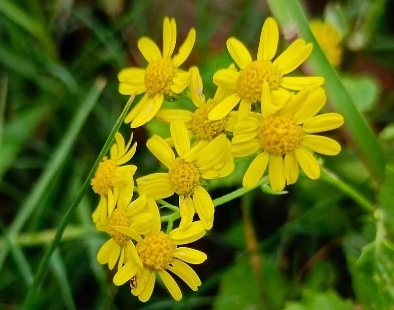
(125, 224)
(187, 172)
(247, 83)
(329, 40)
(113, 180)
(285, 139)
(162, 76)
(197, 122)
(159, 253)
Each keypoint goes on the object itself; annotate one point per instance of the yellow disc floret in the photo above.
(119, 217)
(156, 251)
(203, 128)
(184, 177)
(103, 177)
(159, 76)
(279, 134)
(251, 79)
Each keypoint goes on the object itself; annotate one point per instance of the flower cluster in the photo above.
(258, 112)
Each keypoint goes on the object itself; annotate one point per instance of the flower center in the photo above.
(159, 76)
(279, 134)
(203, 128)
(156, 250)
(184, 177)
(119, 217)
(102, 180)
(252, 77)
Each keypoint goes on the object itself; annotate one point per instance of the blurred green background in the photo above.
(59, 100)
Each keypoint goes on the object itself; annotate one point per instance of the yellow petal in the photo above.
(186, 269)
(105, 251)
(204, 206)
(153, 105)
(256, 170)
(245, 148)
(276, 173)
(190, 256)
(214, 153)
(244, 137)
(149, 49)
(147, 291)
(312, 105)
(293, 56)
(185, 273)
(308, 163)
(190, 234)
(132, 76)
(226, 78)
(323, 122)
(322, 145)
(279, 98)
(186, 48)
(152, 208)
(298, 83)
(291, 168)
(125, 273)
(136, 207)
(239, 53)
(136, 110)
(269, 39)
(196, 87)
(170, 284)
(155, 186)
(127, 89)
(169, 37)
(113, 257)
(186, 210)
(180, 137)
(169, 115)
(180, 82)
(128, 232)
(266, 108)
(224, 107)
(161, 150)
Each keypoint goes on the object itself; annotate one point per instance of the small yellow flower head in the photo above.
(162, 77)
(248, 82)
(102, 181)
(329, 40)
(205, 160)
(126, 224)
(285, 139)
(157, 254)
(156, 251)
(113, 179)
(198, 124)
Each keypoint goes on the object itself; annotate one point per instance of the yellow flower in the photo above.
(157, 254)
(113, 180)
(161, 77)
(197, 122)
(125, 224)
(329, 40)
(285, 139)
(247, 83)
(187, 172)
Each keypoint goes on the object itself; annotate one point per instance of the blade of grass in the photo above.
(289, 13)
(57, 266)
(19, 258)
(55, 164)
(3, 100)
(29, 24)
(69, 212)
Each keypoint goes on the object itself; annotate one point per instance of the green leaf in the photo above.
(373, 273)
(323, 301)
(363, 90)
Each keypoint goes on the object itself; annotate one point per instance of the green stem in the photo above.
(168, 206)
(290, 15)
(67, 216)
(44, 237)
(331, 178)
